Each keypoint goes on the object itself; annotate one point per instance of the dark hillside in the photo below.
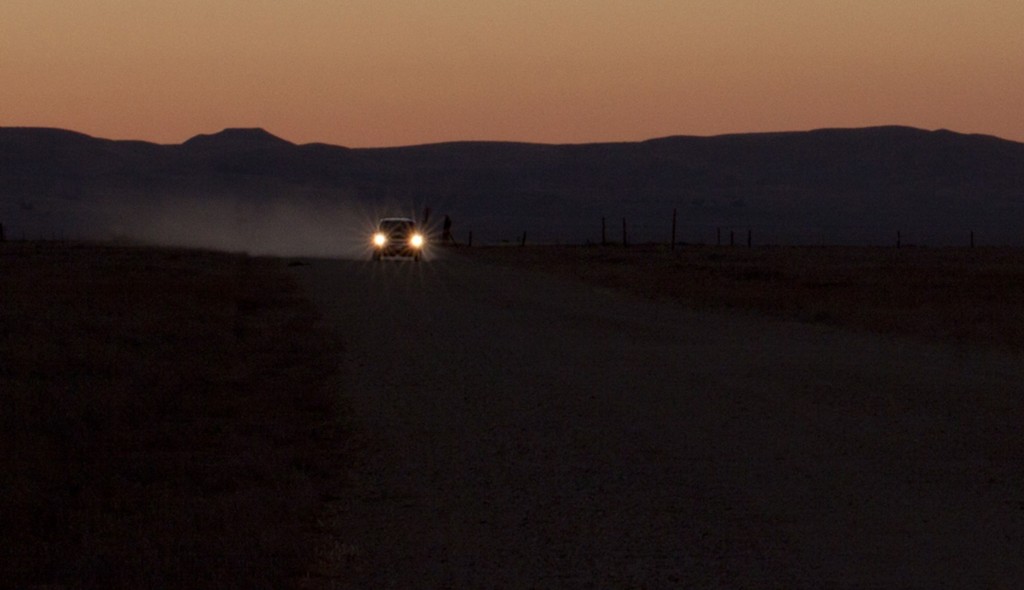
(840, 186)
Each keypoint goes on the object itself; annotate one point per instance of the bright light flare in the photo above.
(380, 239)
(416, 241)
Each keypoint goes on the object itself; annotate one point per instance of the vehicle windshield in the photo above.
(397, 226)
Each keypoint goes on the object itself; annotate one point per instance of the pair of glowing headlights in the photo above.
(416, 240)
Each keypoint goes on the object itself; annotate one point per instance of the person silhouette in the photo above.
(446, 233)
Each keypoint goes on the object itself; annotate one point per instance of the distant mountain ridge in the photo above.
(236, 138)
(823, 186)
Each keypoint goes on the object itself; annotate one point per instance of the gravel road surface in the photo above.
(521, 431)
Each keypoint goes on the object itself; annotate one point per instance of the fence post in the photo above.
(750, 239)
(718, 233)
(523, 242)
(625, 241)
(469, 244)
(3, 238)
(899, 239)
(732, 237)
(673, 246)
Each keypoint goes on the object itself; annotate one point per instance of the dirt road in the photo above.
(519, 431)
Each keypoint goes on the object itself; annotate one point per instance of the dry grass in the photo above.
(971, 295)
(168, 418)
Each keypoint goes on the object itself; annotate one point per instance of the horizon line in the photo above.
(273, 135)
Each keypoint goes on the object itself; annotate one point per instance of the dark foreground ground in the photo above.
(168, 419)
(711, 417)
(968, 295)
(517, 429)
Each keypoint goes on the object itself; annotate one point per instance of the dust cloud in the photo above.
(273, 226)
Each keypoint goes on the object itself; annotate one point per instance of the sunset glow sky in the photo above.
(397, 72)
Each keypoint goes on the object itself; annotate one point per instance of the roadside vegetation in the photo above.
(168, 418)
(971, 295)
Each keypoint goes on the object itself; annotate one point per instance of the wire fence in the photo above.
(671, 228)
(622, 231)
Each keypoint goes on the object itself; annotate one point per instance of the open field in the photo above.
(169, 418)
(969, 295)
(523, 430)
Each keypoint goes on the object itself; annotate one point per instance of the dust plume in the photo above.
(277, 226)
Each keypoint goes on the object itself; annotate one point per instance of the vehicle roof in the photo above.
(395, 219)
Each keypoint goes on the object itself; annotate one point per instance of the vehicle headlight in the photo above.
(380, 239)
(416, 241)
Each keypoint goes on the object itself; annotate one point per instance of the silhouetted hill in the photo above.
(236, 139)
(823, 186)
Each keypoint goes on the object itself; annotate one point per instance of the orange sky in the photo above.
(397, 72)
